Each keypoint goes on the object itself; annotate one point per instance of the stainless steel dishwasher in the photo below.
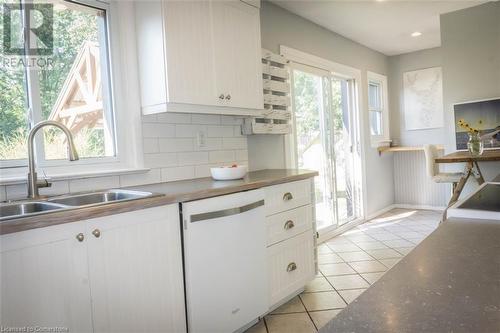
(225, 261)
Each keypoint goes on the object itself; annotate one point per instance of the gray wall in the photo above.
(470, 58)
(397, 66)
(412, 185)
(280, 27)
(471, 63)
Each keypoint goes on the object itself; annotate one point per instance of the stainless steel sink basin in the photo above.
(100, 197)
(13, 210)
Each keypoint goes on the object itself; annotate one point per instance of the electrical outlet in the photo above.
(202, 139)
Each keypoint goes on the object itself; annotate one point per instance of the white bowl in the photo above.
(228, 173)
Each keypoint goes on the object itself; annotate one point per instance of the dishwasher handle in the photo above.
(225, 212)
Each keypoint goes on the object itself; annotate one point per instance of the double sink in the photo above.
(30, 208)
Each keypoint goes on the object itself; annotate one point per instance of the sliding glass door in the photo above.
(324, 139)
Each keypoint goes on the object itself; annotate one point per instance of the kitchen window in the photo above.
(378, 108)
(61, 73)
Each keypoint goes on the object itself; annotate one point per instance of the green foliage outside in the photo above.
(71, 29)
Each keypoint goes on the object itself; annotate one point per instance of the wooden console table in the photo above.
(471, 168)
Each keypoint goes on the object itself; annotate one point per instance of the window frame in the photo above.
(381, 81)
(119, 59)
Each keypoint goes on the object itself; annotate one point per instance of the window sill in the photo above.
(21, 179)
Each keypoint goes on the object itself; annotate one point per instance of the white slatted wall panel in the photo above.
(413, 186)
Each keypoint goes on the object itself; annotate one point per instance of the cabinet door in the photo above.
(237, 49)
(291, 266)
(189, 52)
(135, 266)
(44, 279)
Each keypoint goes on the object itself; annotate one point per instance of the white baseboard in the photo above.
(425, 207)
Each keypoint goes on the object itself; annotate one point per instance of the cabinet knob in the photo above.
(96, 233)
(287, 196)
(221, 96)
(289, 225)
(228, 97)
(80, 237)
(291, 267)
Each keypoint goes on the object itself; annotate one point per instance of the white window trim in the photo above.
(125, 103)
(378, 140)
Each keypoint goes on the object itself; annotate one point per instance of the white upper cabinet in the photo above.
(199, 56)
(236, 33)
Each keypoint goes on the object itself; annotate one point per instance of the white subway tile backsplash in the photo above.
(220, 131)
(206, 119)
(150, 177)
(234, 143)
(230, 120)
(189, 131)
(150, 145)
(237, 131)
(241, 155)
(203, 170)
(192, 158)
(178, 173)
(57, 188)
(211, 144)
(93, 184)
(175, 145)
(221, 156)
(158, 130)
(3, 193)
(160, 160)
(16, 192)
(152, 118)
(174, 118)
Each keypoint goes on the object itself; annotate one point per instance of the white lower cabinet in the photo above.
(291, 240)
(120, 273)
(290, 266)
(44, 279)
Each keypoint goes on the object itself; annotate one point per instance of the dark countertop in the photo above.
(448, 283)
(165, 193)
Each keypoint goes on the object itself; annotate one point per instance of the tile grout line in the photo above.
(308, 314)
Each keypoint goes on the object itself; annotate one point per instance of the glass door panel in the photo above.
(343, 139)
(310, 133)
(324, 140)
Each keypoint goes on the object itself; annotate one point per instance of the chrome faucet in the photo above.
(33, 183)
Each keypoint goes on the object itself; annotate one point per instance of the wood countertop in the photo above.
(164, 194)
(465, 156)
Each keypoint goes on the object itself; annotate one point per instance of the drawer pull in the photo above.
(96, 233)
(289, 225)
(80, 237)
(287, 196)
(291, 267)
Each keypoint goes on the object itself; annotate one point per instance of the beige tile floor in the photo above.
(348, 265)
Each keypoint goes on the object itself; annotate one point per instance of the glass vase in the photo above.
(475, 145)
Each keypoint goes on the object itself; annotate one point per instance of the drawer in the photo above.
(290, 266)
(290, 223)
(287, 196)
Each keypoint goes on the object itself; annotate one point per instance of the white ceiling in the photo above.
(384, 26)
